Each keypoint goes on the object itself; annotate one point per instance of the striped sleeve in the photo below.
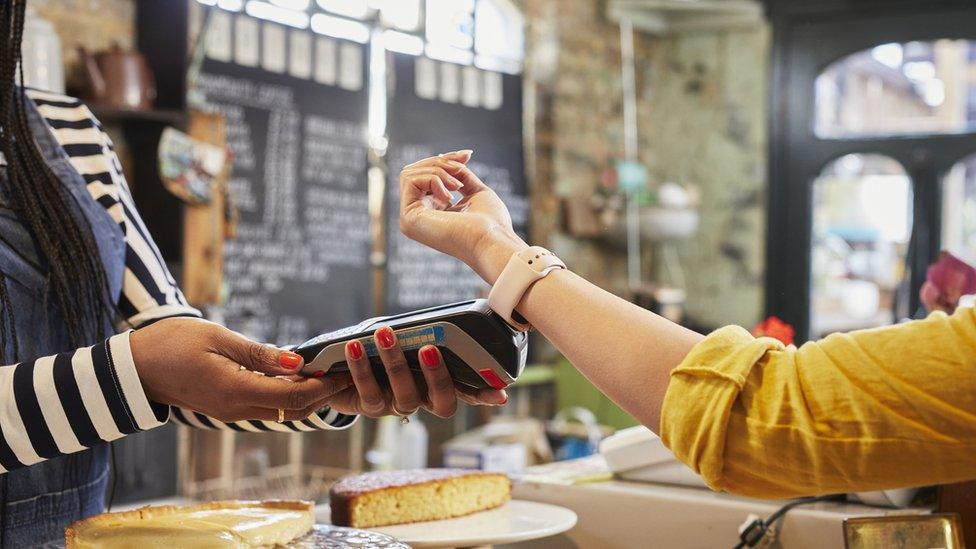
(325, 419)
(65, 403)
(149, 291)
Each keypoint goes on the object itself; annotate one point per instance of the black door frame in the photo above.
(806, 39)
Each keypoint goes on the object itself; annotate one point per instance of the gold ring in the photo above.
(281, 415)
(404, 418)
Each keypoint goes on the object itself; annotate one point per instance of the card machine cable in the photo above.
(480, 349)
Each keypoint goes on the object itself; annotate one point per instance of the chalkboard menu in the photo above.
(439, 107)
(296, 109)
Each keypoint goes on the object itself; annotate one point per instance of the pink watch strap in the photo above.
(522, 270)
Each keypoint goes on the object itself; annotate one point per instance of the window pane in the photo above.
(450, 23)
(959, 210)
(400, 14)
(498, 30)
(862, 206)
(899, 89)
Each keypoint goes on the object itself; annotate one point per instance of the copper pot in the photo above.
(118, 78)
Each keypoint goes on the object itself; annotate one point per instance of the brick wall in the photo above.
(93, 24)
(574, 108)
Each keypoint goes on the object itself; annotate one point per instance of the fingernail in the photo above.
(321, 373)
(429, 357)
(504, 398)
(468, 151)
(385, 337)
(355, 349)
(289, 360)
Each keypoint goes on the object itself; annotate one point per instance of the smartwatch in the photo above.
(523, 269)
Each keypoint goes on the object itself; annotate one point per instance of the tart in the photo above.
(230, 524)
(383, 498)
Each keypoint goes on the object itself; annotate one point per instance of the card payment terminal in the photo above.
(480, 349)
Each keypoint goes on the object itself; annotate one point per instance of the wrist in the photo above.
(495, 248)
(140, 359)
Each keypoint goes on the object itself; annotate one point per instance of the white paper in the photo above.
(450, 83)
(247, 50)
(325, 61)
(300, 54)
(425, 78)
(350, 66)
(470, 87)
(273, 48)
(493, 93)
(219, 44)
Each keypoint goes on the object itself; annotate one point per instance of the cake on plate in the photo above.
(399, 497)
(221, 524)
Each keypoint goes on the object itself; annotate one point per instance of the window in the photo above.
(485, 33)
(863, 142)
(862, 205)
(899, 89)
(959, 210)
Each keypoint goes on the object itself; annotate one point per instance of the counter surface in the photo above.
(618, 514)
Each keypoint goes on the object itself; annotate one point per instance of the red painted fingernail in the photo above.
(385, 337)
(289, 360)
(319, 373)
(355, 349)
(429, 357)
(505, 400)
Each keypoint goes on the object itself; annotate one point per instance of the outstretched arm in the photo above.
(882, 408)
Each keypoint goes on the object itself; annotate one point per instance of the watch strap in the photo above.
(523, 269)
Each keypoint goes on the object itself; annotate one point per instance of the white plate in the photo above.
(515, 521)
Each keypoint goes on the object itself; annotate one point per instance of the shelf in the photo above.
(120, 115)
(660, 17)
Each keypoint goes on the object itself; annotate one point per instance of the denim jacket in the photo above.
(42, 499)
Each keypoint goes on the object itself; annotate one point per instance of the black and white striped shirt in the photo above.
(65, 403)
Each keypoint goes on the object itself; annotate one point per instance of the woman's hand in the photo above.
(933, 299)
(404, 393)
(205, 367)
(476, 230)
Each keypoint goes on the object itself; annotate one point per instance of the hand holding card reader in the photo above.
(480, 350)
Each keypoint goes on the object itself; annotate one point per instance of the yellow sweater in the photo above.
(883, 408)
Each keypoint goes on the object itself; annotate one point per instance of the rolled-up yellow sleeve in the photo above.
(874, 409)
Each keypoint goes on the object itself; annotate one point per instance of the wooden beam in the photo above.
(204, 225)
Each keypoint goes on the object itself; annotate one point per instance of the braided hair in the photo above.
(65, 245)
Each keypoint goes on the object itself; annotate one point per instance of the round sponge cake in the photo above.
(398, 497)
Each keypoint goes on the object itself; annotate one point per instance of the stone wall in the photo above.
(706, 95)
